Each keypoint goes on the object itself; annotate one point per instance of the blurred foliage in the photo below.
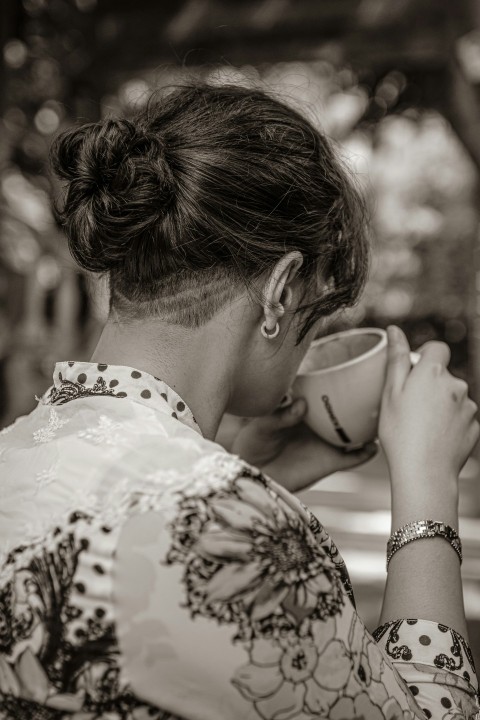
(417, 176)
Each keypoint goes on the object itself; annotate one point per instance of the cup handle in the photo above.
(414, 358)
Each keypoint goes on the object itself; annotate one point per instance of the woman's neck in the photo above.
(197, 364)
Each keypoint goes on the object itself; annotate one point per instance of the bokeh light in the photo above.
(15, 53)
(46, 121)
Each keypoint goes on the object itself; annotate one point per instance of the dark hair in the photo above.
(201, 193)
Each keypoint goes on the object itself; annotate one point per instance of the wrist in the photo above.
(415, 498)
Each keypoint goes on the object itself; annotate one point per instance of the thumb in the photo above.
(362, 455)
(283, 417)
(398, 363)
(292, 414)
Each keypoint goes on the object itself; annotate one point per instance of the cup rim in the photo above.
(382, 335)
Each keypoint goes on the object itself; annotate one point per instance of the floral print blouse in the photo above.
(145, 573)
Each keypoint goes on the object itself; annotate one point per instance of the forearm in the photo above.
(424, 578)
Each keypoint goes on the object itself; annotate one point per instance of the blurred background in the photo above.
(395, 84)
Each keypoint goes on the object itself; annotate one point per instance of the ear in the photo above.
(277, 292)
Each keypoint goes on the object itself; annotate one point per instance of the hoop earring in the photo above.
(272, 334)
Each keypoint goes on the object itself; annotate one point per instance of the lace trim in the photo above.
(45, 434)
(69, 390)
(160, 492)
(45, 477)
(107, 432)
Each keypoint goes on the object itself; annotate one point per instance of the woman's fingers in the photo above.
(436, 352)
(472, 407)
(285, 416)
(358, 457)
(473, 434)
(399, 364)
(291, 415)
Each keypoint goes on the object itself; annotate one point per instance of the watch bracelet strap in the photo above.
(420, 529)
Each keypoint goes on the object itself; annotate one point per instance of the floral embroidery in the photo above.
(305, 666)
(107, 432)
(362, 706)
(69, 390)
(324, 539)
(53, 653)
(55, 422)
(276, 568)
(45, 477)
(252, 562)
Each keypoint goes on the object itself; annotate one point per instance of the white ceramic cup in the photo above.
(342, 378)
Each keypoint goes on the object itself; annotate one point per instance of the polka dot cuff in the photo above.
(428, 647)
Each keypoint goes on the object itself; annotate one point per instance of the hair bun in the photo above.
(118, 184)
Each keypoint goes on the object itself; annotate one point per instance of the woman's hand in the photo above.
(427, 422)
(284, 448)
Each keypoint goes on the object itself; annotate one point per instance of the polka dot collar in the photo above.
(83, 379)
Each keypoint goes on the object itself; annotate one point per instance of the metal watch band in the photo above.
(423, 529)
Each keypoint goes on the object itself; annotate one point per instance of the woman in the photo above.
(147, 572)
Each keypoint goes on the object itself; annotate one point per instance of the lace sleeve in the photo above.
(233, 608)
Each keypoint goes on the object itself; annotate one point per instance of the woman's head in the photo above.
(200, 194)
(196, 200)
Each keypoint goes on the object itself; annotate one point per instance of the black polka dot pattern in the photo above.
(120, 382)
(425, 642)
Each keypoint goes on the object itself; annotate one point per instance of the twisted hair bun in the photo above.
(119, 186)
